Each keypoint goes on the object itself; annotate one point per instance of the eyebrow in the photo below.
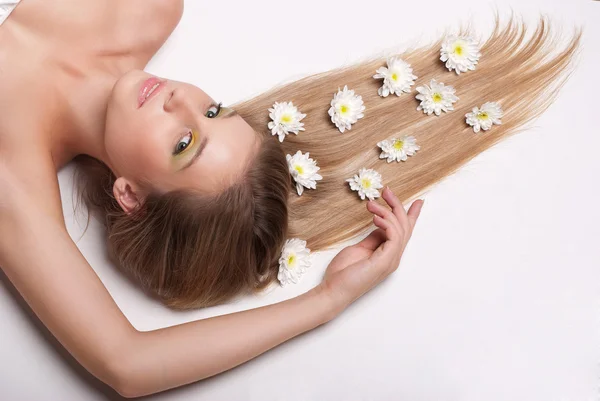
(198, 152)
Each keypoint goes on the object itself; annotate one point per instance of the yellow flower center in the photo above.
(366, 183)
(483, 115)
(395, 76)
(299, 169)
(291, 261)
(286, 118)
(344, 109)
(436, 97)
(398, 144)
(458, 49)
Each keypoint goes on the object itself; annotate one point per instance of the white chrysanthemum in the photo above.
(397, 77)
(346, 108)
(293, 262)
(436, 98)
(486, 116)
(304, 171)
(398, 149)
(366, 182)
(461, 53)
(285, 119)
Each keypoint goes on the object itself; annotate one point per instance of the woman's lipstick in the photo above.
(149, 88)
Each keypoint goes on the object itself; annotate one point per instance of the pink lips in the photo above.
(149, 88)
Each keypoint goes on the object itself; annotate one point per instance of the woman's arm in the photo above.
(40, 259)
(46, 267)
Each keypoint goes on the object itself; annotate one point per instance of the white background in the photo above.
(498, 293)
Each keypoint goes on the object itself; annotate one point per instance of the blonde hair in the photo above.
(193, 251)
(522, 74)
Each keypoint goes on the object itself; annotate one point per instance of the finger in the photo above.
(386, 257)
(414, 212)
(387, 226)
(385, 213)
(397, 207)
(373, 240)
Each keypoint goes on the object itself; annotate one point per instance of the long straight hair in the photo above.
(523, 73)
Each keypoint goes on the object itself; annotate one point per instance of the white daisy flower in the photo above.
(486, 116)
(436, 98)
(397, 77)
(346, 108)
(293, 262)
(461, 53)
(366, 182)
(285, 119)
(398, 149)
(304, 171)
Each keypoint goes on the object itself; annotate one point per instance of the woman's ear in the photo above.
(127, 195)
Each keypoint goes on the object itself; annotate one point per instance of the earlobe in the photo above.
(126, 195)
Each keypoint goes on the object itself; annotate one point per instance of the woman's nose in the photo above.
(177, 102)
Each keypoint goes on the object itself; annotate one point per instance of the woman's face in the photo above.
(172, 135)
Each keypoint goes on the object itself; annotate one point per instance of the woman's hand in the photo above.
(358, 268)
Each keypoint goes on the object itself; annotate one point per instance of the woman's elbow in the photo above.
(121, 377)
(122, 369)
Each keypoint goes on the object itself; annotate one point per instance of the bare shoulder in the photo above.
(165, 13)
(170, 8)
(143, 26)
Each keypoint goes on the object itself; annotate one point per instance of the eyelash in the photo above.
(217, 112)
(177, 151)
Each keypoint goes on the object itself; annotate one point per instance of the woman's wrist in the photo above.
(324, 303)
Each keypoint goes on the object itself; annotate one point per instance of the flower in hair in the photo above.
(304, 171)
(293, 262)
(285, 119)
(397, 77)
(486, 116)
(460, 53)
(366, 182)
(436, 98)
(346, 108)
(398, 149)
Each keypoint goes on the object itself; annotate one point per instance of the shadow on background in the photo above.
(89, 380)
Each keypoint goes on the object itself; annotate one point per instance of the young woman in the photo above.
(197, 198)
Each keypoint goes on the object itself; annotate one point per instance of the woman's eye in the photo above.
(213, 111)
(183, 143)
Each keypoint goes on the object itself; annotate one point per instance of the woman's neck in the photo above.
(65, 87)
(82, 91)
(71, 65)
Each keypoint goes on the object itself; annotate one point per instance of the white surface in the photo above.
(6, 7)
(498, 294)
